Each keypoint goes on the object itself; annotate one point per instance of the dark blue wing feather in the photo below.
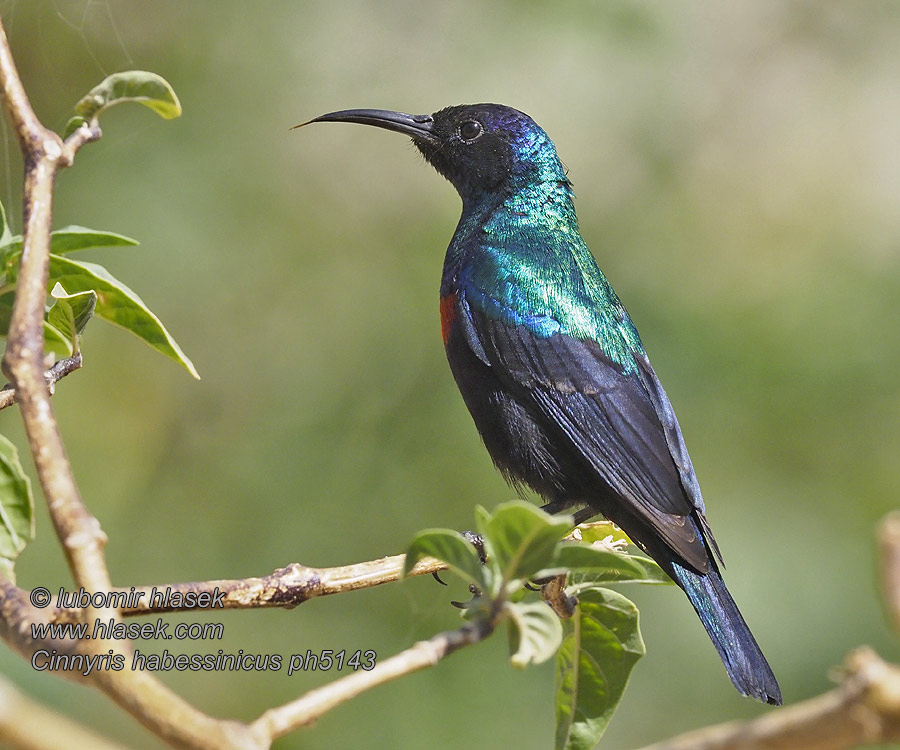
(619, 422)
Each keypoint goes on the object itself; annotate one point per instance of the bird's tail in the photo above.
(744, 662)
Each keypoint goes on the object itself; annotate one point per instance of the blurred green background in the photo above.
(736, 168)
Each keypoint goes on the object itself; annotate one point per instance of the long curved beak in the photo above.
(415, 126)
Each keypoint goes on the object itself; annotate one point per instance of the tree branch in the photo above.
(865, 709)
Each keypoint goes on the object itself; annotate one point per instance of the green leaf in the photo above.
(522, 537)
(601, 646)
(16, 508)
(535, 633)
(117, 304)
(71, 312)
(495, 575)
(450, 547)
(608, 535)
(72, 238)
(596, 557)
(140, 86)
(649, 572)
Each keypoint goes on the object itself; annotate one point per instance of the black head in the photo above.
(480, 148)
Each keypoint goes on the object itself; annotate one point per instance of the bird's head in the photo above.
(480, 148)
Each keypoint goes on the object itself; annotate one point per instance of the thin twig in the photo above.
(137, 691)
(56, 373)
(277, 722)
(87, 133)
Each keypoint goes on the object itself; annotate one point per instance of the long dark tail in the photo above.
(744, 662)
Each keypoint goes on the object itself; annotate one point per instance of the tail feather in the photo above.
(743, 659)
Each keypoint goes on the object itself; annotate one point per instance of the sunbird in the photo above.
(551, 366)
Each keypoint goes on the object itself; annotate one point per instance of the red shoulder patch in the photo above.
(448, 315)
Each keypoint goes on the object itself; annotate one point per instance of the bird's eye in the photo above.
(470, 130)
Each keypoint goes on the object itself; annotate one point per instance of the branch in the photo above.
(42, 150)
(52, 376)
(292, 585)
(87, 133)
(286, 587)
(865, 709)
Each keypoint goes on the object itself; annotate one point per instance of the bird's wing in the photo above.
(619, 421)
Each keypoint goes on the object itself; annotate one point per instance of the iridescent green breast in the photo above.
(526, 264)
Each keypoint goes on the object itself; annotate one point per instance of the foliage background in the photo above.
(737, 177)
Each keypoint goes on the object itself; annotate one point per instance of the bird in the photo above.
(551, 366)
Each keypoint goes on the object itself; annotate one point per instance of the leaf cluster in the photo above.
(597, 647)
(77, 290)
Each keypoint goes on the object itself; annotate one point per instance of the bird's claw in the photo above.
(474, 591)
